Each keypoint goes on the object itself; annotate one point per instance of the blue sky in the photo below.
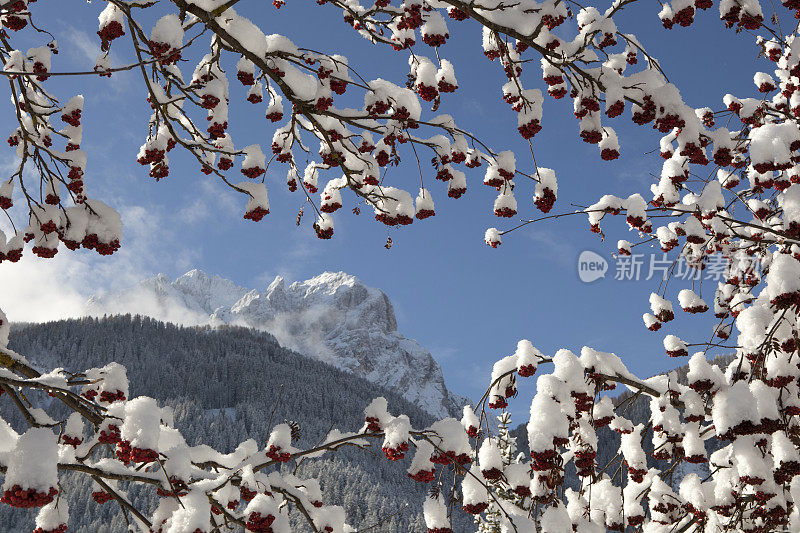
(467, 303)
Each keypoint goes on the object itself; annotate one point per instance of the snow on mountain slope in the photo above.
(332, 317)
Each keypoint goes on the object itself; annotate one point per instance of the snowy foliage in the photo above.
(744, 207)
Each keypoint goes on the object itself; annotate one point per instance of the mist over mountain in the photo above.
(332, 317)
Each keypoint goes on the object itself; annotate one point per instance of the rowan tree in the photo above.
(729, 185)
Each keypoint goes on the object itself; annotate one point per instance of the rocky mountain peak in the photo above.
(333, 317)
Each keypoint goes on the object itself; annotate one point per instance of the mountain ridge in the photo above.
(332, 317)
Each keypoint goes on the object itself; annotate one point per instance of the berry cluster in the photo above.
(111, 397)
(62, 528)
(450, 457)
(275, 453)
(247, 494)
(102, 497)
(475, 508)
(423, 476)
(127, 453)
(256, 214)
(395, 453)
(71, 441)
(109, 435)
(256, 522)
(176, 488)
(111, 31)
(16, 496)
(164, 52)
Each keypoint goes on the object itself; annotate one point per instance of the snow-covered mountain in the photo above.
(332, 317)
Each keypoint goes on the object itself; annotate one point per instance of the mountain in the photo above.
(226, 385)
(332, 317)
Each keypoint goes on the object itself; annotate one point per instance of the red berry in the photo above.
(111, 31)
(102, 497)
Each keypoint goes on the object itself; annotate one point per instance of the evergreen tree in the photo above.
(490, 521)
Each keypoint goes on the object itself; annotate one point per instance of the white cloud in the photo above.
(139, 301)
(83, 51)
(214, 198)
(37, 290)
(84, 48)
(555, 247)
